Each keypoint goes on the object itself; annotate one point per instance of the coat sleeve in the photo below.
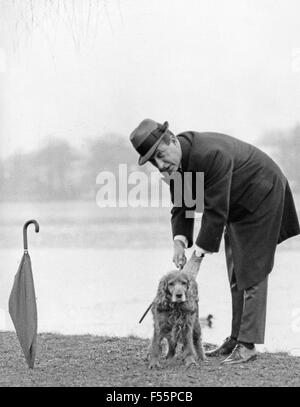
(217, 185)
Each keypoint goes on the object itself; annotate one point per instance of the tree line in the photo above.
(59, 171)
(284, 148)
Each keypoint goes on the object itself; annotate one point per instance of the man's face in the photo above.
(167, 157)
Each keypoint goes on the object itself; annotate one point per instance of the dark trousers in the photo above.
(248, 305)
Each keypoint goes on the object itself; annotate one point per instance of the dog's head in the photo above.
(176, 287)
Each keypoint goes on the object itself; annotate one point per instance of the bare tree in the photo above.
(80, 17)
(54, 164)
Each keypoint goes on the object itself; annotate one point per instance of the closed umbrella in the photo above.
(22, 303)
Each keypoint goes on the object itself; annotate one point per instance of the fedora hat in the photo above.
(146, 137)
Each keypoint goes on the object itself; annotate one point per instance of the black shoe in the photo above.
(225, 349)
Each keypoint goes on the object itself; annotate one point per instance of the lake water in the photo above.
(97, 273)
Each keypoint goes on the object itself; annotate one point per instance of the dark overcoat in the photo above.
(246, 193)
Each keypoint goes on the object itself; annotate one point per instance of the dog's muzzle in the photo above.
(178, 296)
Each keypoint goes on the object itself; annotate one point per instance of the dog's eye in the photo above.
(171, 284)
(184, 283)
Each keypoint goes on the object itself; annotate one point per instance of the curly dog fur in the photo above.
(176, 318)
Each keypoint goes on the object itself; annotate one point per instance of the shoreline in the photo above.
(98, 361)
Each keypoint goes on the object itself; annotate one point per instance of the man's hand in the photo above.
(179, 254)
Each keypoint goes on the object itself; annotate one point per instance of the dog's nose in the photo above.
(178, 295)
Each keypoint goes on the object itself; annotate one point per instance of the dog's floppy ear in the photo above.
(161, 299)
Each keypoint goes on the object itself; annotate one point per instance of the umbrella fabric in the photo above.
(23, 310)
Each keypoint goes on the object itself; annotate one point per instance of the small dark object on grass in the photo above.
(207, 321)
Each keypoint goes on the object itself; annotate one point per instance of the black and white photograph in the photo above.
(149, 196)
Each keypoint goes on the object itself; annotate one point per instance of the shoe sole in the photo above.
(239, 361)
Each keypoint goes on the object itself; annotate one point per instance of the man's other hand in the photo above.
(179, 254)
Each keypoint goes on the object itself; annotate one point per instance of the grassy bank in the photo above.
(86, 360)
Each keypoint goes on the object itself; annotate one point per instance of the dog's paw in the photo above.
(170, 355)
(202, 357)
(190, 361)
(154, 363)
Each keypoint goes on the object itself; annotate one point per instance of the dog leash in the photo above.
(148, 309)
(146, 312)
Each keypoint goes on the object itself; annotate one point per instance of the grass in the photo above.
(86, 360)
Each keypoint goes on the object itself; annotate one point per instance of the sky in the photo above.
(97, 69)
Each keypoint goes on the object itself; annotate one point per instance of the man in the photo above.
(245, 193)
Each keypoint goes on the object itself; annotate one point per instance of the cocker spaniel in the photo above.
(176, 319)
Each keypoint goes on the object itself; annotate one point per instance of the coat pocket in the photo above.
(255, 194)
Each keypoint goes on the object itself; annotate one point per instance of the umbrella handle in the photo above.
(37, 229)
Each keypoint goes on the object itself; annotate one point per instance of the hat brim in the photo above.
(143, 159)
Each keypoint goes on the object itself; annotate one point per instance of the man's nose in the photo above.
(159, 164)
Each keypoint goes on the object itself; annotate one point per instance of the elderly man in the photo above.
(245, 193)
